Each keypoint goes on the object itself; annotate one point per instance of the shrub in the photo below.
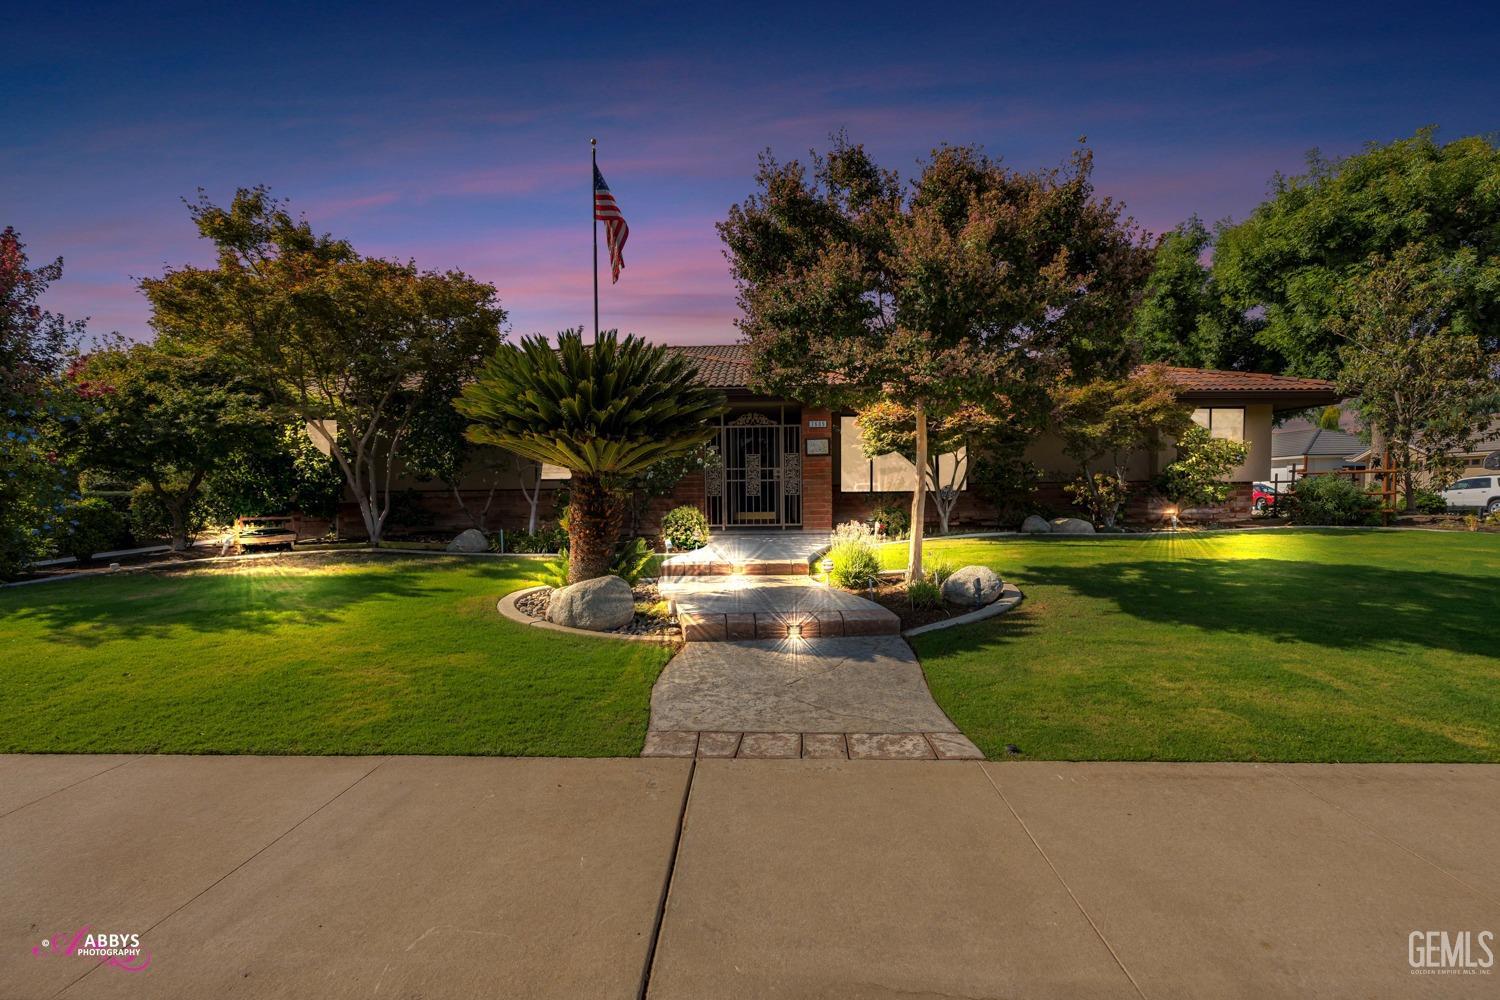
(1199, 476)
(686, 528)
(1429, 502)
(940, 571)
(633, 560)
(541, 540)
(924, 596)
(88, 526)
(150, 521)
(1104, 500)
(1332, 501)
(895, 518)
(855, 563)
(857, 531)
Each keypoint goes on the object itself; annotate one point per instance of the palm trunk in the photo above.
(919, 499)
(593, 527)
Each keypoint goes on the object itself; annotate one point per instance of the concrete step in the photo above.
(709, 626)
(674, 569)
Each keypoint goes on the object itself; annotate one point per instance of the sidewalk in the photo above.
(449, 877)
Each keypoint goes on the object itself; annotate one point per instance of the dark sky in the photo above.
(460, 136)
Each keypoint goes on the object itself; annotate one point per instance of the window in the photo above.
(888, 473)
(1222, 422)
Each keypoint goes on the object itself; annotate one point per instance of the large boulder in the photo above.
(602, 604)
(972, 586)
(470, 540)
(1071, 526)
(1036, 525)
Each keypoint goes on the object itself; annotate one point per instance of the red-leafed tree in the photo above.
(974, 285)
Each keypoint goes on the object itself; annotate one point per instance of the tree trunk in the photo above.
(919, 499)
(367, 512)
(178, 515)
(593, 527)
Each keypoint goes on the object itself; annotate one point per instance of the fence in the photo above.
(1387, 476)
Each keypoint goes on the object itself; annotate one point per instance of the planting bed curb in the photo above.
(507, 608)
(1010, 597)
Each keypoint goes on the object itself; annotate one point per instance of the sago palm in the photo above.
(602, 411)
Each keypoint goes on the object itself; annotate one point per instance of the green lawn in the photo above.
(1275, 645)
(312, 655)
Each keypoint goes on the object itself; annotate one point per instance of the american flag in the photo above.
(615, 230)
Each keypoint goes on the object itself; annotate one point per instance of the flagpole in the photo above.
(594, 225)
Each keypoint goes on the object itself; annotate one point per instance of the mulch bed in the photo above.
(651, 617)
(1442, 522)
(891, 595)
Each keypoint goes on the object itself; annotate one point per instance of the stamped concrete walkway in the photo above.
(782, 666)
(276, 877)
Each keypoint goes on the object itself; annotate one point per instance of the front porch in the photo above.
(779, 553)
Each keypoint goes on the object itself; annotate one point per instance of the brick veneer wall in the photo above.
(817, 473)
(822, 505)
(510, 510)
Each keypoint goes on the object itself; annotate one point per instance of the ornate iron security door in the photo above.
(758, 481)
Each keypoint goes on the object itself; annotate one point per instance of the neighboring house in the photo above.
(1482, 457)
(1312, 451)
(788, 466)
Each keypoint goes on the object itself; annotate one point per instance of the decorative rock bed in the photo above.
(533, 605)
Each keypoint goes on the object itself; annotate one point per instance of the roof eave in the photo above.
(1280, 399)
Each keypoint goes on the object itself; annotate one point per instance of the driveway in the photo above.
(465, 877)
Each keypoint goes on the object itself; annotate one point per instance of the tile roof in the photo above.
(727, 366)
(1316, 441)
(722, 366)
(1212, 380)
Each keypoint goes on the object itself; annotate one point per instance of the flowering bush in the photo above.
(855, 562)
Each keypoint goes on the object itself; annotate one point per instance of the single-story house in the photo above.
(1482, 457)
(784, 465)
(1295, 454)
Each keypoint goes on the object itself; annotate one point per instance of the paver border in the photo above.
(507, 608)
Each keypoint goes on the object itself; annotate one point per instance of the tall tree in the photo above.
(606, 410)
(163, 419)
(974, 285)
(35, 346)
(1299, 255)
(1183, 318)
(353, 346)
(1424, 386)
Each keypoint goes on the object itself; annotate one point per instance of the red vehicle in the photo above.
(1262, 497)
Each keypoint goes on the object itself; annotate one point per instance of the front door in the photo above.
(758, 481)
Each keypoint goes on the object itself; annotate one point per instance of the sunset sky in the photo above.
(461, 138)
